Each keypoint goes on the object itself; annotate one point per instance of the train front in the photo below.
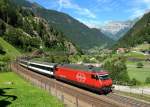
(105, 82)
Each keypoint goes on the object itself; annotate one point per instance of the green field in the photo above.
(138, 73)
(136, 55)
(9, 49)
(23, 94)
(144, 46)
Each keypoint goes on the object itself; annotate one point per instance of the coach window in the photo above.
(51, 69)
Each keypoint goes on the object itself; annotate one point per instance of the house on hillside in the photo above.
(122, 50)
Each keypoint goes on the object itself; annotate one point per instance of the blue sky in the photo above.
(96, 13)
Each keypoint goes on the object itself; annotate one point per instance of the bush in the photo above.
(29, 49)
(2, 50)
(117, 69)
(2, 27)
(147, 81)
(134, 82)
(21, 40)
(6, 58)
(57, 59)
(2, 65)
(139, 65)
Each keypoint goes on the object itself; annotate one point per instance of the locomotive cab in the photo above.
(104, 81)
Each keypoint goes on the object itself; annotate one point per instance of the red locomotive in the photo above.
(89, 77)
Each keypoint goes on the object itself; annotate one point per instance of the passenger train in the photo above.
(89, 77)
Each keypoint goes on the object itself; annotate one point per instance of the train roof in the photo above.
(89, 68)
(43, 63)
(40, 63)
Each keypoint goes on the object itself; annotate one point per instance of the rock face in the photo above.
(117, 29)
(138, 34)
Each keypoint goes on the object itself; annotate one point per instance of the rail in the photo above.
(70, 95)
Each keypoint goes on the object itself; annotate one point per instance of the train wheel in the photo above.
(101, 92)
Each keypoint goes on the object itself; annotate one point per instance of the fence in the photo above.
(136, 90)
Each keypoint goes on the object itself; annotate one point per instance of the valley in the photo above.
(35, 35)
(31, 31)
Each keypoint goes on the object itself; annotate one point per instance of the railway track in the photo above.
(130, 101)
(73, 96)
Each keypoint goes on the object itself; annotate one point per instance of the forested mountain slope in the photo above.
(139, 34)
(76, 31)
(25, 30)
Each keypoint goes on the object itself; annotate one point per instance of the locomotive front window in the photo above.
(104, 77)
(100, 77)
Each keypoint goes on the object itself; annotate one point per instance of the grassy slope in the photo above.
(137, 55)
(10, 50)
(144, 46)
(138, 73)
(27, 95)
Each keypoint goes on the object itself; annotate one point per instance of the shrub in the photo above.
(139, 65)
(57, 59)
(6, 58)
(147, 80)
(29, 49)
(117, 69)
(2, 50)
(134, 82)
(20, 39)
(2, 65)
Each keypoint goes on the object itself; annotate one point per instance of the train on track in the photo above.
(89, 77)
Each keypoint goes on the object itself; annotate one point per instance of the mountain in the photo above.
(23, 29)
(122, 32)
(117, 29)
(74, 30)
(138, 34)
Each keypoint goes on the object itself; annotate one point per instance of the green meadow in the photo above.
(139, 74)
(15, 92)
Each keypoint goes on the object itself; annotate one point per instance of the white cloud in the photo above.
(86, 12)
(79, 10)
(142, 2)
(147, 2)
(91, 23)
(139, 8)
(137, 13)
(64, 3)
